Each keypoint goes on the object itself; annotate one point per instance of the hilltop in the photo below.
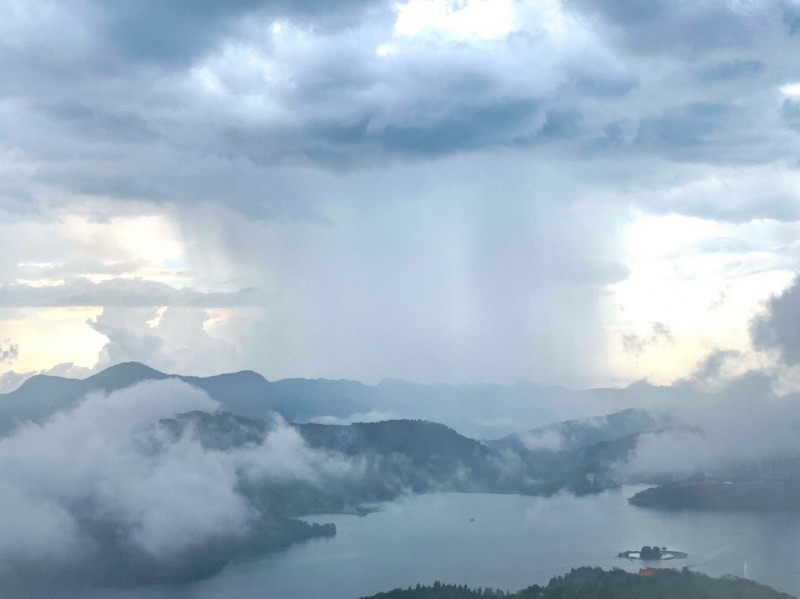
(595, 583)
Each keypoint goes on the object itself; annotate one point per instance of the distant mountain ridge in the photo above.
(245, 393)
(581, 459)
(484, 411)
(392, 457)
(574, 434)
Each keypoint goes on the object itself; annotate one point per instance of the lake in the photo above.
(502, 541)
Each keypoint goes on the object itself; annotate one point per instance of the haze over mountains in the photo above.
(482, 411)
(133, 476)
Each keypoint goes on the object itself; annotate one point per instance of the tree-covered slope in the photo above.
(594, 583)
(755, 496)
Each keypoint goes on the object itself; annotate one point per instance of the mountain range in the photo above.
(482, 411)
(574, 454)
(277, 426)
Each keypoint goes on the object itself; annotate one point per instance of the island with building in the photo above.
(653, 553)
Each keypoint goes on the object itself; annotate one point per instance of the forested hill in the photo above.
(595, 583)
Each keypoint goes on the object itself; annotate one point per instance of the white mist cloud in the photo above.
(35, 527)
(105, 463)
(283, 456)
(743, 423)
(547, 440)
(96, 456)
(371, 416)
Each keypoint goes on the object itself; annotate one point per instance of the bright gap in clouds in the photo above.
(149, 244)
(50, 336)
(694, 286)
(482, 19)
(791, 90)
(132, 247)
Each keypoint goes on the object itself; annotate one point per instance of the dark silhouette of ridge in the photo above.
(245, 393)
(123, 375)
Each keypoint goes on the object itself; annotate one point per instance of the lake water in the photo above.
(502, 541)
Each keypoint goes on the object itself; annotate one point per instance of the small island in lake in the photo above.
(653, 553)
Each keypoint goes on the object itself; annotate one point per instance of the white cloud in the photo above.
(743, 424)
(121, 146)
(371, 416)
(108, 462)
(90, 457)
(791, 90)
(483, 19)
(169, 339)
(545, 440)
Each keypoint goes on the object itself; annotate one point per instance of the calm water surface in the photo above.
(503, 541)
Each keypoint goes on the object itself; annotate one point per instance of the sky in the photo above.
(575, 192)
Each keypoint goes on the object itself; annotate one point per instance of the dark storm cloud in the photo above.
(462, 128)
(790, 110)
(778, 327)
(791, 17)
(466, 127)
(603, 86)
(628, 12)
(681, 127)
(673, 27)
(179, 30)
(121, 292)
(730, 69)
(121, 111)
(560, 124)
(170, 31)
(611, 140)
(102, 183)
(99, 124)
(344, 133)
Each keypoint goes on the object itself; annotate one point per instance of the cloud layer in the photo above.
(429, 190)
(107, 484)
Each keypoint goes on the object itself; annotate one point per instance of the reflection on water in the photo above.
(503, 541)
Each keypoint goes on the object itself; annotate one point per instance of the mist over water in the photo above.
(502, 541)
